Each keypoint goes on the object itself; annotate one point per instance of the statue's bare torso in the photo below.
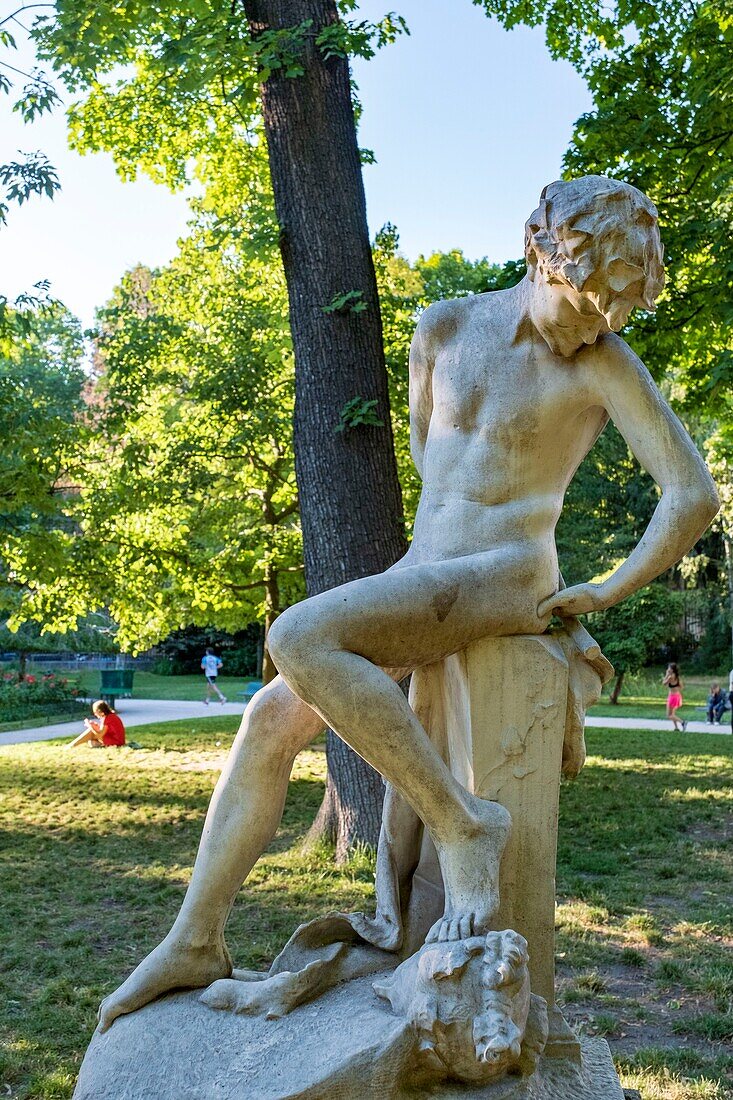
(503, 424)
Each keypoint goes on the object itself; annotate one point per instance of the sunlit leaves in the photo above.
(662, 120)
(41, 384)
(187, 507)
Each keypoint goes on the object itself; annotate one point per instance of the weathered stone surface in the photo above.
(345, 1046)
(508, 392)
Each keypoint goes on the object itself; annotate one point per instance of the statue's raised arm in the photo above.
(593, 250)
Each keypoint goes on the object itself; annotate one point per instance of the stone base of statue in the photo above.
(346, 1045)
(361, 1007)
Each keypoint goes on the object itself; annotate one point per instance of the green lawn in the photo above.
(97, 848)
(148, 685)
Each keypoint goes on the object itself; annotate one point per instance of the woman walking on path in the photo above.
(674, 699)
(106, 731)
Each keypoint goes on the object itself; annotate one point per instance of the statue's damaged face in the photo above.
(594, 254)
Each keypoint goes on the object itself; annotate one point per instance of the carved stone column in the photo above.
(498, 711)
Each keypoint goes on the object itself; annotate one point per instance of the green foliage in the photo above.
(583, 30)
(663, 101)
(41, 382)
(630, 633)
(349, 38)
(32, 175)
(352, 301)
(186, 510)
(182, 651)
(661, 120)
(358, 412)
(166, 88)
(96, 634)
(607, 508)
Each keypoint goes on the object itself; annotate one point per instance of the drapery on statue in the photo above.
(508, 392)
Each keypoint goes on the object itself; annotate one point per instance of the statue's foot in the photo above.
(173, 964)
(470, 867)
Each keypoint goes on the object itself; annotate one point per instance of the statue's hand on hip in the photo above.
(577, 600)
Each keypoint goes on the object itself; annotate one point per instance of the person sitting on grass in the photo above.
(717, 702)
(106, 731)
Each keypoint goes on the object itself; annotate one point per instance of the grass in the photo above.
(97, 849)
(148, 685)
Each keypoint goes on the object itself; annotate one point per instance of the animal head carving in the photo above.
(468, 1002)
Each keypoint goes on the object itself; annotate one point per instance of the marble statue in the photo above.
(508, 392)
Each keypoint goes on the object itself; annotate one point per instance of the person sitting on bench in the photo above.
(717, 703)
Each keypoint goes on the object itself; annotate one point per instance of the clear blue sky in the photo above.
(468, 122)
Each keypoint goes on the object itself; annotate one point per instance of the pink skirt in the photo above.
(674, 700)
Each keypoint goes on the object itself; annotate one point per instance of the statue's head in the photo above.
(469, 1002)
(599, 238)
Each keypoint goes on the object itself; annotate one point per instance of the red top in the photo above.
(113, 731)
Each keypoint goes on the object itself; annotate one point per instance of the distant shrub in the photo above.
(37, 696)
(164, 666)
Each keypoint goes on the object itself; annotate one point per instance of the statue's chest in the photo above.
(473, 388)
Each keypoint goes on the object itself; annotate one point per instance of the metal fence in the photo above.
(78, 662)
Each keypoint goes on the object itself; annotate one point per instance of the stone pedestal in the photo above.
(498, 710)
(504, 710)
(347, 1045)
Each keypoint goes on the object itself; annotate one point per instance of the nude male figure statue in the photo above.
(508, 392)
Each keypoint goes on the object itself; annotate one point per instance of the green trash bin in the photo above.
(116, 683)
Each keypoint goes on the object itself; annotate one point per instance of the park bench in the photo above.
(251, 689)
(115, 683)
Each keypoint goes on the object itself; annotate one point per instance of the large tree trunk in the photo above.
(350, 501)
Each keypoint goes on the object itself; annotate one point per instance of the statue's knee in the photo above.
(293, 640)
(263, 734)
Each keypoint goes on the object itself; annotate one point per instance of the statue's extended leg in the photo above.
(330, 649)
(243, 816)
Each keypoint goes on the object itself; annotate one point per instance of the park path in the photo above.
(653, 724)
(143, 712)
(134, 712)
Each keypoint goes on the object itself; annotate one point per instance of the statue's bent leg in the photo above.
(243, 816)
(331, 650)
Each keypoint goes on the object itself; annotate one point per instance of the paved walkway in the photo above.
(654, 724)
(143, 712)
(134, 712)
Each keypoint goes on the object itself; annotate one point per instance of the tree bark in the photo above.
(350, 500)
(616, 690)
(272, 610)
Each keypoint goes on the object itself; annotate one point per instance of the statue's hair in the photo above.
(594, 225)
